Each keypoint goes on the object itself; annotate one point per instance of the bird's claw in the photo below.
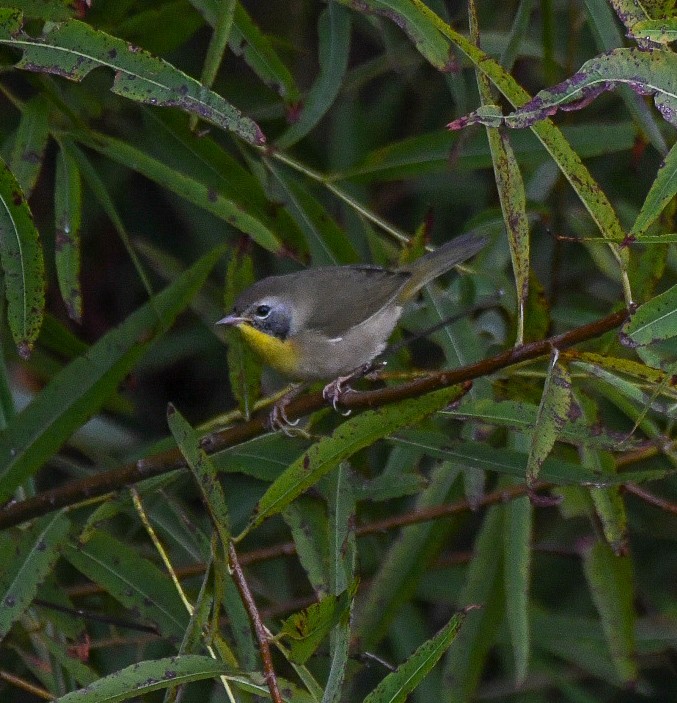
(332, 393)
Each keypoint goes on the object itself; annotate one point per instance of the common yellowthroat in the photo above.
(326, 322)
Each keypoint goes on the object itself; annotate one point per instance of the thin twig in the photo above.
(26, 686)
(255, 618)
(106, 481)
(651, 498)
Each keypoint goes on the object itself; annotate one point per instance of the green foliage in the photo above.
(156, 158)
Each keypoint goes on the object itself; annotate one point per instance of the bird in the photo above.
(331, 322)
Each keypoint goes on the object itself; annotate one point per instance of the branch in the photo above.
(171, 460)
(257, 624)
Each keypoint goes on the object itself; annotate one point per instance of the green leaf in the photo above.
(54, 10)
(518, 516)
(72, 49)
(29, 563)
(425, 36)
(553, 414)
(22, 263)
(484, 587)
(68, 216)
(244, 368)
(30, 143)
(203, 471)
(610, 580)
(654, 321)
(482, 457)
(662, 191)
(307, 628)
(334, 39)
(648, 72)
(146, 676)
(397, 685)
(187, 187)
(81, 388)
(660, 31)
(248, 41)
(132, 580)
(349, 438)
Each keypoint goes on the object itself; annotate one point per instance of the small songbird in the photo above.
(328, 322)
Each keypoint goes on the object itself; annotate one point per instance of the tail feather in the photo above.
(437, 262)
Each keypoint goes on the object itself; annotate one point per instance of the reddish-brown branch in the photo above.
(257, 624)
(651, 498)
(107, 481)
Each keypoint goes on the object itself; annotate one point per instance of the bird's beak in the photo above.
(231, 320)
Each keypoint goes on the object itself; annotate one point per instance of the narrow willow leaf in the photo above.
(553, 414)
(22, 263)
(307, 521)
(483, 586)
(30, 143)
(68, 215)
(659, 31)
(132, 580)
(81, 388)
(334, 40)
(425, 36)
(654, 321)
(508, 461)
(662, 191)
(610, 580)
(513, 204)
(429, 152)
(404, 565)
(248, 41)
(28, 565)
(521, 417)
(342, 561)
(234, 213)
(203, 471)
(350, 437)
(647, 72)
(72, 49)
(244, 368)
(146, 676)
(327, 242)
(518, 516)
(307, 628)
(218, 41)
(397, 685)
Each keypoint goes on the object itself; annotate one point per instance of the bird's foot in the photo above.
(333, 391)
(278, 420)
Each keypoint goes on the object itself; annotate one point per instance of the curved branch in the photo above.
(164, 462)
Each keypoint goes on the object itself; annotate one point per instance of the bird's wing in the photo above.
(354, 295)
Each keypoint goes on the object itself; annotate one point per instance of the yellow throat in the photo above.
(281, 354)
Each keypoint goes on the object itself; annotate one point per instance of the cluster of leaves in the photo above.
(131, 188)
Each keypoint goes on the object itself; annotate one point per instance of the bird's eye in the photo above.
(263, 311)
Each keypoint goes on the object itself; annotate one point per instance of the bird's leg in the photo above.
(332, 391)
(277, 419)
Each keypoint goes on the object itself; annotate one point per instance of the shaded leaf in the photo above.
(68, 216)
(334, 39)
(30, 562)
(30, 143)
(662, 191)
(132, 580)
(610, 580)
(22, 263)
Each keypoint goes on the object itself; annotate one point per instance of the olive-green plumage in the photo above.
(326, 322)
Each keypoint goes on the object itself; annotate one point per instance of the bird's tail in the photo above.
(437, 262)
